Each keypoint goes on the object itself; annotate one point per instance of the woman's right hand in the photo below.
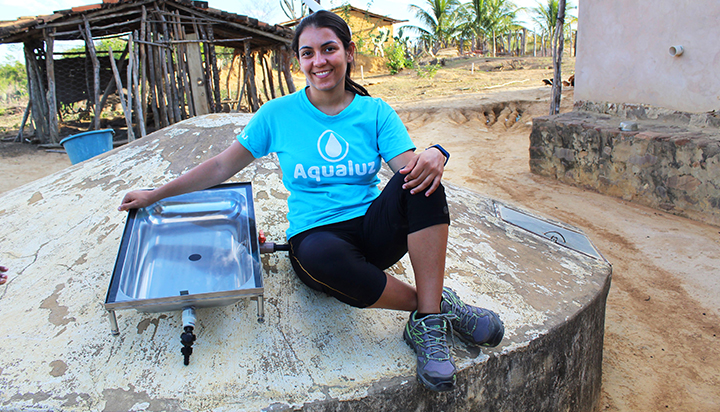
(136, 199)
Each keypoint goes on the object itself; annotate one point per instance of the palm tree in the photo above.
(439, 22)
(293, 10)
(546, 16)
(488, 18)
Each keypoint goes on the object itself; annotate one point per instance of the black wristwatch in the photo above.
(443, 151)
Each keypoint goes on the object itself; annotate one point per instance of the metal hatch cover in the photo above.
(562, 236)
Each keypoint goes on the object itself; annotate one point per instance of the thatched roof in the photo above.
(121, 16)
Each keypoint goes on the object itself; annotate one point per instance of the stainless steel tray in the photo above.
(194, 250)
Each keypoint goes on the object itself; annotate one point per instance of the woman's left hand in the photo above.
(423, 171)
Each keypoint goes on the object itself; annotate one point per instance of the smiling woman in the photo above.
(326, 53)
(330, 139)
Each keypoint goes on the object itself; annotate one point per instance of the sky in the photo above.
(265, 10)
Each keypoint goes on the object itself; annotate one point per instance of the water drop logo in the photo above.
(332, 147)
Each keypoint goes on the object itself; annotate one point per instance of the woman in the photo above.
(330, 139)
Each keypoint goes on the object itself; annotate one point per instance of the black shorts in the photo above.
(347, 259)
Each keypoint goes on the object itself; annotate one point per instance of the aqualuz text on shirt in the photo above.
(338, 170)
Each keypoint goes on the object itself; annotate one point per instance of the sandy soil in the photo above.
(661, 348)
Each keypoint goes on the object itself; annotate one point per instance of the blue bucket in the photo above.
(83, 146)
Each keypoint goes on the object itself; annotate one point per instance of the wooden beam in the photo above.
(37, 95)
(126, 110)
(214, 69)
(169, 72)
(233, 24)
(180, 66)
(143, 62)
(98, 15)
(252, 89)
(51, 99)
(90, 45)
(139, 103)
(19, 137)
(130, 91)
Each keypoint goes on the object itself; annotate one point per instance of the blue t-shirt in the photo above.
(329, 163)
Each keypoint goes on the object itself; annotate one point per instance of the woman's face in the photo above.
(323, 59)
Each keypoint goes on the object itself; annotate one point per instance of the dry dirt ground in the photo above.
(661, 348)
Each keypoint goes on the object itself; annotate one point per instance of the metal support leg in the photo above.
(114, 329)
(261, 309)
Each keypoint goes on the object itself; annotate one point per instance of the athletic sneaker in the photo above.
(428, 338)
(472, 324)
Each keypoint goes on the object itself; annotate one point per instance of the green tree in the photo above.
(13, 80)
(545, 15)
(486, 19)
(118, 44)
(439, 22)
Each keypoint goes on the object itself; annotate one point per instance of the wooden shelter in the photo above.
(167, 72)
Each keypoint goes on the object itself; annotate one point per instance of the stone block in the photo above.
(669, 163)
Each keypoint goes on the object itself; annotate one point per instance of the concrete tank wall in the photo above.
(623, 53)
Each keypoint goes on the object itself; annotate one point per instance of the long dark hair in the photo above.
(326, 19)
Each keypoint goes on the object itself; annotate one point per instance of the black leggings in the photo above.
(346, 260)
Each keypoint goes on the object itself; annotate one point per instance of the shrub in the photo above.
(428, 71)
(396, 58)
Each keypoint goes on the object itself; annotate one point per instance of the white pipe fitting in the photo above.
(676, 51)
(189, 317)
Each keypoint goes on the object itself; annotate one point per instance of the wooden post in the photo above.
(197, 79)
(207, 70)
(243, 62)
(169, 71)
(286, 57)
(158, 115)
(192, 112)
(126, 110)
(136, 89)
(111, 84)
(51, 99)
(252, 90)
(167, 97)
(90, 45)
(268, 70)
(129, 84)
(19, 137)
(278, 62)
(557, 59)
(37, 95)
(229, 73)
(574, 36)
(180, 66)
(263, 67)
(143, 62)
(213, 66)
(494, 44)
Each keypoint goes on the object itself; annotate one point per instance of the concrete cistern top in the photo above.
(60, 237)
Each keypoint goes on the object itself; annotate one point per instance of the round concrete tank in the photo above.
(60, 237)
